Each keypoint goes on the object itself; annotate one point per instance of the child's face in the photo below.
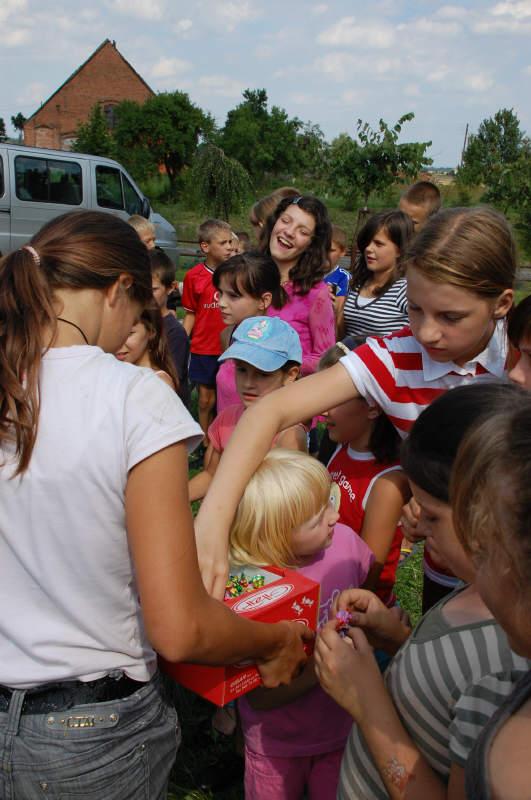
(418, 214)
(218, 249)
(452, 324)
(521, 372)
(317, 533)
(160, 292)
(336, 252)
(148, 238)
(350, 422)
(252, 383)
(135, 346)
(436, 524)
(381, 253)
(291, 235)
(235, 306)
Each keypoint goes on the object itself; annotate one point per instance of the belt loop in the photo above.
(14, 711)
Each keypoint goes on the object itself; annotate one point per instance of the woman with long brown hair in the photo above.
(98, 565)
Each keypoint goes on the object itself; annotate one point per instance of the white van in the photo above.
(37, 185)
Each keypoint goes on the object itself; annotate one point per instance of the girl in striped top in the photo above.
(416, 728)
(460, 272)
(376, 304)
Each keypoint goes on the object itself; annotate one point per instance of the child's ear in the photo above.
(291, 375)
(203, 247)
(374, 412)
(503, 304)
(266, 300)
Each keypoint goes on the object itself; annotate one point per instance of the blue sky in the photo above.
(328, 62)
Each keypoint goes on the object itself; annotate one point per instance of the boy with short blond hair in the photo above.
(202, 321)
(145, 229)
(420, 201)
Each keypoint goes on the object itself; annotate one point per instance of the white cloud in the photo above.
(438, 74)
(169, 67)
(412, 90)
(16, 37)
(451, 12)
(502, 26)
(434, 27)
(221, 85)
(9, 7)
(34, 94)
(229, 13)
(143, 9)
(519, 9)
(302, 99)
(366, 34)
(527, 70)
(479, 82)
(322, 8)
(352, 96)
(183, 26)
(339, 66)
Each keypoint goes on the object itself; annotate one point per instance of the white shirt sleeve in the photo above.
(154, 418)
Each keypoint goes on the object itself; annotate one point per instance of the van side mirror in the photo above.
(146, 208)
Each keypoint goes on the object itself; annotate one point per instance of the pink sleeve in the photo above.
(214, 433)
(322, 327)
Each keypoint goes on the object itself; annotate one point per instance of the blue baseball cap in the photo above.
(265, 342)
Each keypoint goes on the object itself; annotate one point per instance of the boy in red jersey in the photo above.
(202, 320)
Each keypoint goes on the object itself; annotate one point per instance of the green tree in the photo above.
(262, 140)
(221, 185)
(375, 160)
(497, 157)
(165, 130)
(3, 132)
(311, 150)
(93, 136)
(18, 122)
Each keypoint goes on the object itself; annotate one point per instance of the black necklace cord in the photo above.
(73, 324)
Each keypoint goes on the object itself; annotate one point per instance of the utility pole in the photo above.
(464, 146)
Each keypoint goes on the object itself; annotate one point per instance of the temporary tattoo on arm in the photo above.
(397, 774)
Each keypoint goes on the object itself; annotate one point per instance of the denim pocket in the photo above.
(112, 778)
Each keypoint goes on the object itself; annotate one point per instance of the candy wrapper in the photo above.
(343, 620)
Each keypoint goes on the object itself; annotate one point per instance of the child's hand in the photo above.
(347, 669)
(384, 628)
(213, 557)
(410, 521)
(287, 663)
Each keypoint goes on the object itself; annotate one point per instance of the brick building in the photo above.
(106, 77)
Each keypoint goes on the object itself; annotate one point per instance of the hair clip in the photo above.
(343, 348)
(296, 200)
(35, 255)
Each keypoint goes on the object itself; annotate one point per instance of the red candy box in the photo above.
(284, 595)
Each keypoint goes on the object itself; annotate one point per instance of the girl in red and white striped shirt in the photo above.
(460, 271)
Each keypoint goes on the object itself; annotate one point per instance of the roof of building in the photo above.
(105, 43)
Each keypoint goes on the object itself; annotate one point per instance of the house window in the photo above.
(109, 112)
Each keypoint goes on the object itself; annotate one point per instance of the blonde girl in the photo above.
(288, 517)
(460, 272)
(147, 346)
(93, 454)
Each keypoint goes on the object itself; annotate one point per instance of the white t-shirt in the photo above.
(69, 605)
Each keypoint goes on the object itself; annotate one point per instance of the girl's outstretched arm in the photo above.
(182, 622)
(247, 447)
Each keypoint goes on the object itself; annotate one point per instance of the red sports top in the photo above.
(356, 473)
(201, 298)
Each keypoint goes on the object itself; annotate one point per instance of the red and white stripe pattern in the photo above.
(397, 374)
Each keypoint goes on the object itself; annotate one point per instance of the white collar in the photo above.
(492, 358)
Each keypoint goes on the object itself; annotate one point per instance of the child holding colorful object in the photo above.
(288, 517)
(267, 354)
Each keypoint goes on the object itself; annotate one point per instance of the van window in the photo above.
(1, 177)
(113, 190)
(133, 203)
(109, 187)
(45, 180)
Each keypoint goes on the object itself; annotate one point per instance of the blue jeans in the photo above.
(117, 750)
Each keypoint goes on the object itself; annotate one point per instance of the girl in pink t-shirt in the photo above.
(248, 284)
(295, 735)
(298, 236)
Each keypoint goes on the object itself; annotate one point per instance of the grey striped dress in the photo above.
(446, 684)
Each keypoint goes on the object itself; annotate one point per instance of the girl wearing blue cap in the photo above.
(267, 354)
